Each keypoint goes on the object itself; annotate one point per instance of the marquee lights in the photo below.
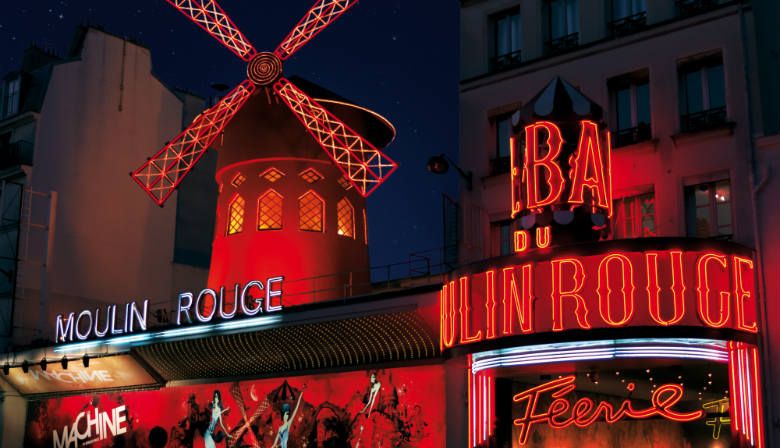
(561, 413)
(703, 349)
(608, 290)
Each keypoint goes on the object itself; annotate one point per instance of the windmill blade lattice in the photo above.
(164, 171)
(208, 15)
(363, 165)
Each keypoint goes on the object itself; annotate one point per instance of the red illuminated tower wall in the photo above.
(284, 208)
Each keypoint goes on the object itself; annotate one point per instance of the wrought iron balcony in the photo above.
(505, 61)
(630, 136)
(15, 154)
(562, 44)
(628, 25)
(704, 120)
(687, 8)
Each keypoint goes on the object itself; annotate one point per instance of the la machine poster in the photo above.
(377, 408)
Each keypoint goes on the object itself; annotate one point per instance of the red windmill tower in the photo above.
(277, 184)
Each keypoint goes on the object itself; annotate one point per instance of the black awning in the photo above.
(334, 344)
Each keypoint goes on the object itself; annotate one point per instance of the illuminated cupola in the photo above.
(284, 208)
(561, 184)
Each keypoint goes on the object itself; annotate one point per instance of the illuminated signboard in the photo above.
(103, 373)
(613, 289)
(562, 412)
(253, 298)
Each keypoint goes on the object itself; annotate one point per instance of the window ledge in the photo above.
(705, 134)
(644, 145)
(494, 179)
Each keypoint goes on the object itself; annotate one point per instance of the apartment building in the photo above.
(689, 89)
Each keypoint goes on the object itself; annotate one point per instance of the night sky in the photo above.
(398, 57)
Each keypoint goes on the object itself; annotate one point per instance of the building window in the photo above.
(501, 234)
(344, 183)
(563, 25)
(238, 180)
(310, 175)
(10, 97)
(708, 209)
(507, 39)
(269, 211)
(236, 215)
(272, 175)
(628, 16)
(629, 97)
(702, 94)
(687, 8)
(346, 218)
(634, 217)
(499, 163)
(311, 211)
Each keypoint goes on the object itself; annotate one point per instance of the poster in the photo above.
(401, 407)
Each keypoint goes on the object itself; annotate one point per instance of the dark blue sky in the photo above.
(398, 57)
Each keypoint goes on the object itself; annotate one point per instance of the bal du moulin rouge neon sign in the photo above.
(608, 286)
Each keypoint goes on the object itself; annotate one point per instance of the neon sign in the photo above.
(253, 298)
(561, 413)
(612, 289)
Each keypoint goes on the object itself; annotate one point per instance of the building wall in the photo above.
(748, 155)
(103, 115)
(667, 163)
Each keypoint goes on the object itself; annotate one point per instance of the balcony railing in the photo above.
(687, 8)
(629, 24)
(563, 44)
(704, 120)
(16, 153)
(630, 136)
(505, 61)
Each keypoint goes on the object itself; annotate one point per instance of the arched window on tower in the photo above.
(346, 218)
(236, 215)
(311, 212)
(269, 211)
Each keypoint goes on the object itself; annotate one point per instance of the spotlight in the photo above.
(6, 369)
(25, 366)
(85, 360)
(44, 363)
(64, 363)
(438, 165)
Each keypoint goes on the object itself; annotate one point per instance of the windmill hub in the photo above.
(264, 68)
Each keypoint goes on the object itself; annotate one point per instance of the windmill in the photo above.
(362, 164)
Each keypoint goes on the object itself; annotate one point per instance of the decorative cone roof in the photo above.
(560, 101)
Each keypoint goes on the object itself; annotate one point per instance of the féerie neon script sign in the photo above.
(253, 298)
(562, 413)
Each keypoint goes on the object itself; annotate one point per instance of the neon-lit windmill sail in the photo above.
(208, 15)
(319, 17)
(164, 171)
(363, 164)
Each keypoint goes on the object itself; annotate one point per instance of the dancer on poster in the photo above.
(216, 417)
(283, 434)
(373, 394)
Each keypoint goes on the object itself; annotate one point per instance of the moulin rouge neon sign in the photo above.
(253, 298)
(562, 413)
(608, 290)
